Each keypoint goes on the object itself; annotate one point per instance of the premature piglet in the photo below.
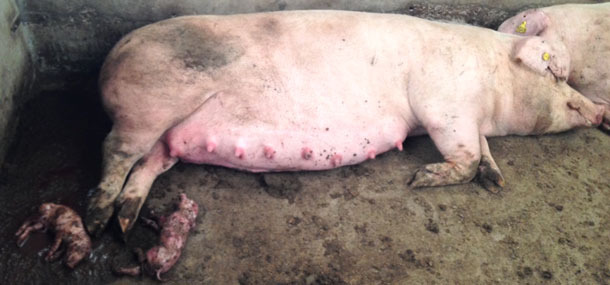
(174, 232)
(68, 227)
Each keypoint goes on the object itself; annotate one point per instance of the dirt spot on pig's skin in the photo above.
(539, 103)
(193, 47)
(199, 49)
(269, 26)
(543, 122)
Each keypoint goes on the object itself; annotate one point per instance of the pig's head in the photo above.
(159, 260)
(47, 212)
(575, 110)
(528, 23)
(189, 208)
(545, 101)
(550, 106)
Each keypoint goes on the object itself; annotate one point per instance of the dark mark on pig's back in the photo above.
(268, 29)
(199, 48)
(190, 43)
(270, 25)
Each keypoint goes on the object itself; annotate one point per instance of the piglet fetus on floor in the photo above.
(174, 231)
(68, 228)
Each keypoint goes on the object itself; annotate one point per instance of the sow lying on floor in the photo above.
(314, 90)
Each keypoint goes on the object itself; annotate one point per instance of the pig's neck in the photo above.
(528, 110)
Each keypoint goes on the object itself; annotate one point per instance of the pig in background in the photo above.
(315, 90)
(585, 31)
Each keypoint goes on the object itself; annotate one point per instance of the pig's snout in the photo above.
(591, 112)
(600, 115)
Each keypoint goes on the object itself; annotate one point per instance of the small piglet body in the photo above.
(174, 230)
(585, 31)
(68, 228)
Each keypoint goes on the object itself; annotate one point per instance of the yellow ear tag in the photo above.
(546, 56)
(522, 28)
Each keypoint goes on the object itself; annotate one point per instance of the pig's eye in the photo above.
(573, 107)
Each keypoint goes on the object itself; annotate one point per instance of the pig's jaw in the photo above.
(576, 117)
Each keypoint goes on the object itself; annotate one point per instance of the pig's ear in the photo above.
(528, 23)
(560, 59)
(541, 55)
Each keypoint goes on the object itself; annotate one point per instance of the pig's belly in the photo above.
(278, 134)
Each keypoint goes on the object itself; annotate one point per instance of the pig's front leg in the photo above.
(32, 224)
(489, 174)
(458, 142)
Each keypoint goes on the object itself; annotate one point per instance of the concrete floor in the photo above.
(353, 225)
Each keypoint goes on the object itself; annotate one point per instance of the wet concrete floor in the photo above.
(353, 225)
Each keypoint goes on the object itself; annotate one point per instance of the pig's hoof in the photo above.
(490, 178)
(97, 218)
(605, 127)
(52, 256)
(99, 211)
(128, 213)
(424, 177)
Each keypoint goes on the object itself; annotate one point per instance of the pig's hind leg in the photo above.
(141, 179)
(121, 150)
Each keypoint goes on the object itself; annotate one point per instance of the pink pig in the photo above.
(315, 90)
(68, 228)
(174, 230)
(585, 31)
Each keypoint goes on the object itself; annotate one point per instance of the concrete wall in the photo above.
(71, 37)
(14, 72)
